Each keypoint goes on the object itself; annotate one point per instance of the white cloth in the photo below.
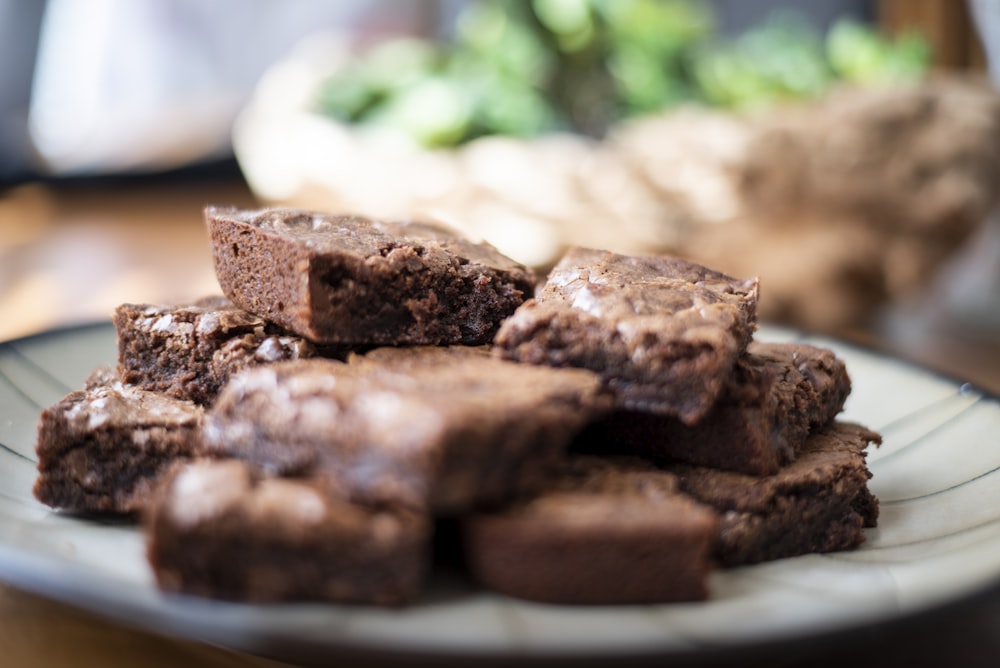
(145, 85)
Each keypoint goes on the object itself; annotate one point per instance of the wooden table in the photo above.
(70, 252)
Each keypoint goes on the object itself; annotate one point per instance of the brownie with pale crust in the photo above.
(602, 531)
(358, 281)
(189, 351)
(221, 529)
(104, 448)
(663, 332)
(818, 503)
(776, 396)
(437, 429)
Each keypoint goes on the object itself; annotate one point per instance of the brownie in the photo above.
(190, 351)
(221, 529)
(602, 531)
(458, 428)
(353, 280)
(663, 333)
(103, 448)
(818, 503)
(777, 394)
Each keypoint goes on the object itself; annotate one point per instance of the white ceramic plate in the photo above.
(937, 476)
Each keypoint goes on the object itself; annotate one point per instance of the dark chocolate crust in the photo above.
(221, 530)
(777, 394)
(352, 280)
(190, 351)
(103, 448)
(818, 503)
(662, 332)
(602, 532)
(457, 429)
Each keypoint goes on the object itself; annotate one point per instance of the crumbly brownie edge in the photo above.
(818, 503)
(191, 351)
(777, 394)
(89, 463)
(676, 378)
(412, 297)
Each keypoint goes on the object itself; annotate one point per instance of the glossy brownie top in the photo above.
(357, 235)
(622, 288)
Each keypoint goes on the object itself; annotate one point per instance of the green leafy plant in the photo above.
(522, 68)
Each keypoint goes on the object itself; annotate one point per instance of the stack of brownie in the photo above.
(611, 439)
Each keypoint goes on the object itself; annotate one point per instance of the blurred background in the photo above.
(846, 151)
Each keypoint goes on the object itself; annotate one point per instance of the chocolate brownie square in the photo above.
(663, 332)
(778, 394)
(190, 351)
(103, 448)
(602, 531)
(352, 280)
(221, 529)
(818, 503)
(459, 428)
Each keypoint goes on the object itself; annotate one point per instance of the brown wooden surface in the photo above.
(35, 632)
(69, 253)
(946, 24)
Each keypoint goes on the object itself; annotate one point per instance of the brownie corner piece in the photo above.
(339, 279)
(103, 448)
(663, 332)
(222, 529)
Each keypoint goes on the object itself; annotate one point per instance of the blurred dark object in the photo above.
(956, 317)
(19, 27)
(986, 17)
(946, 24)
(737, 16)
